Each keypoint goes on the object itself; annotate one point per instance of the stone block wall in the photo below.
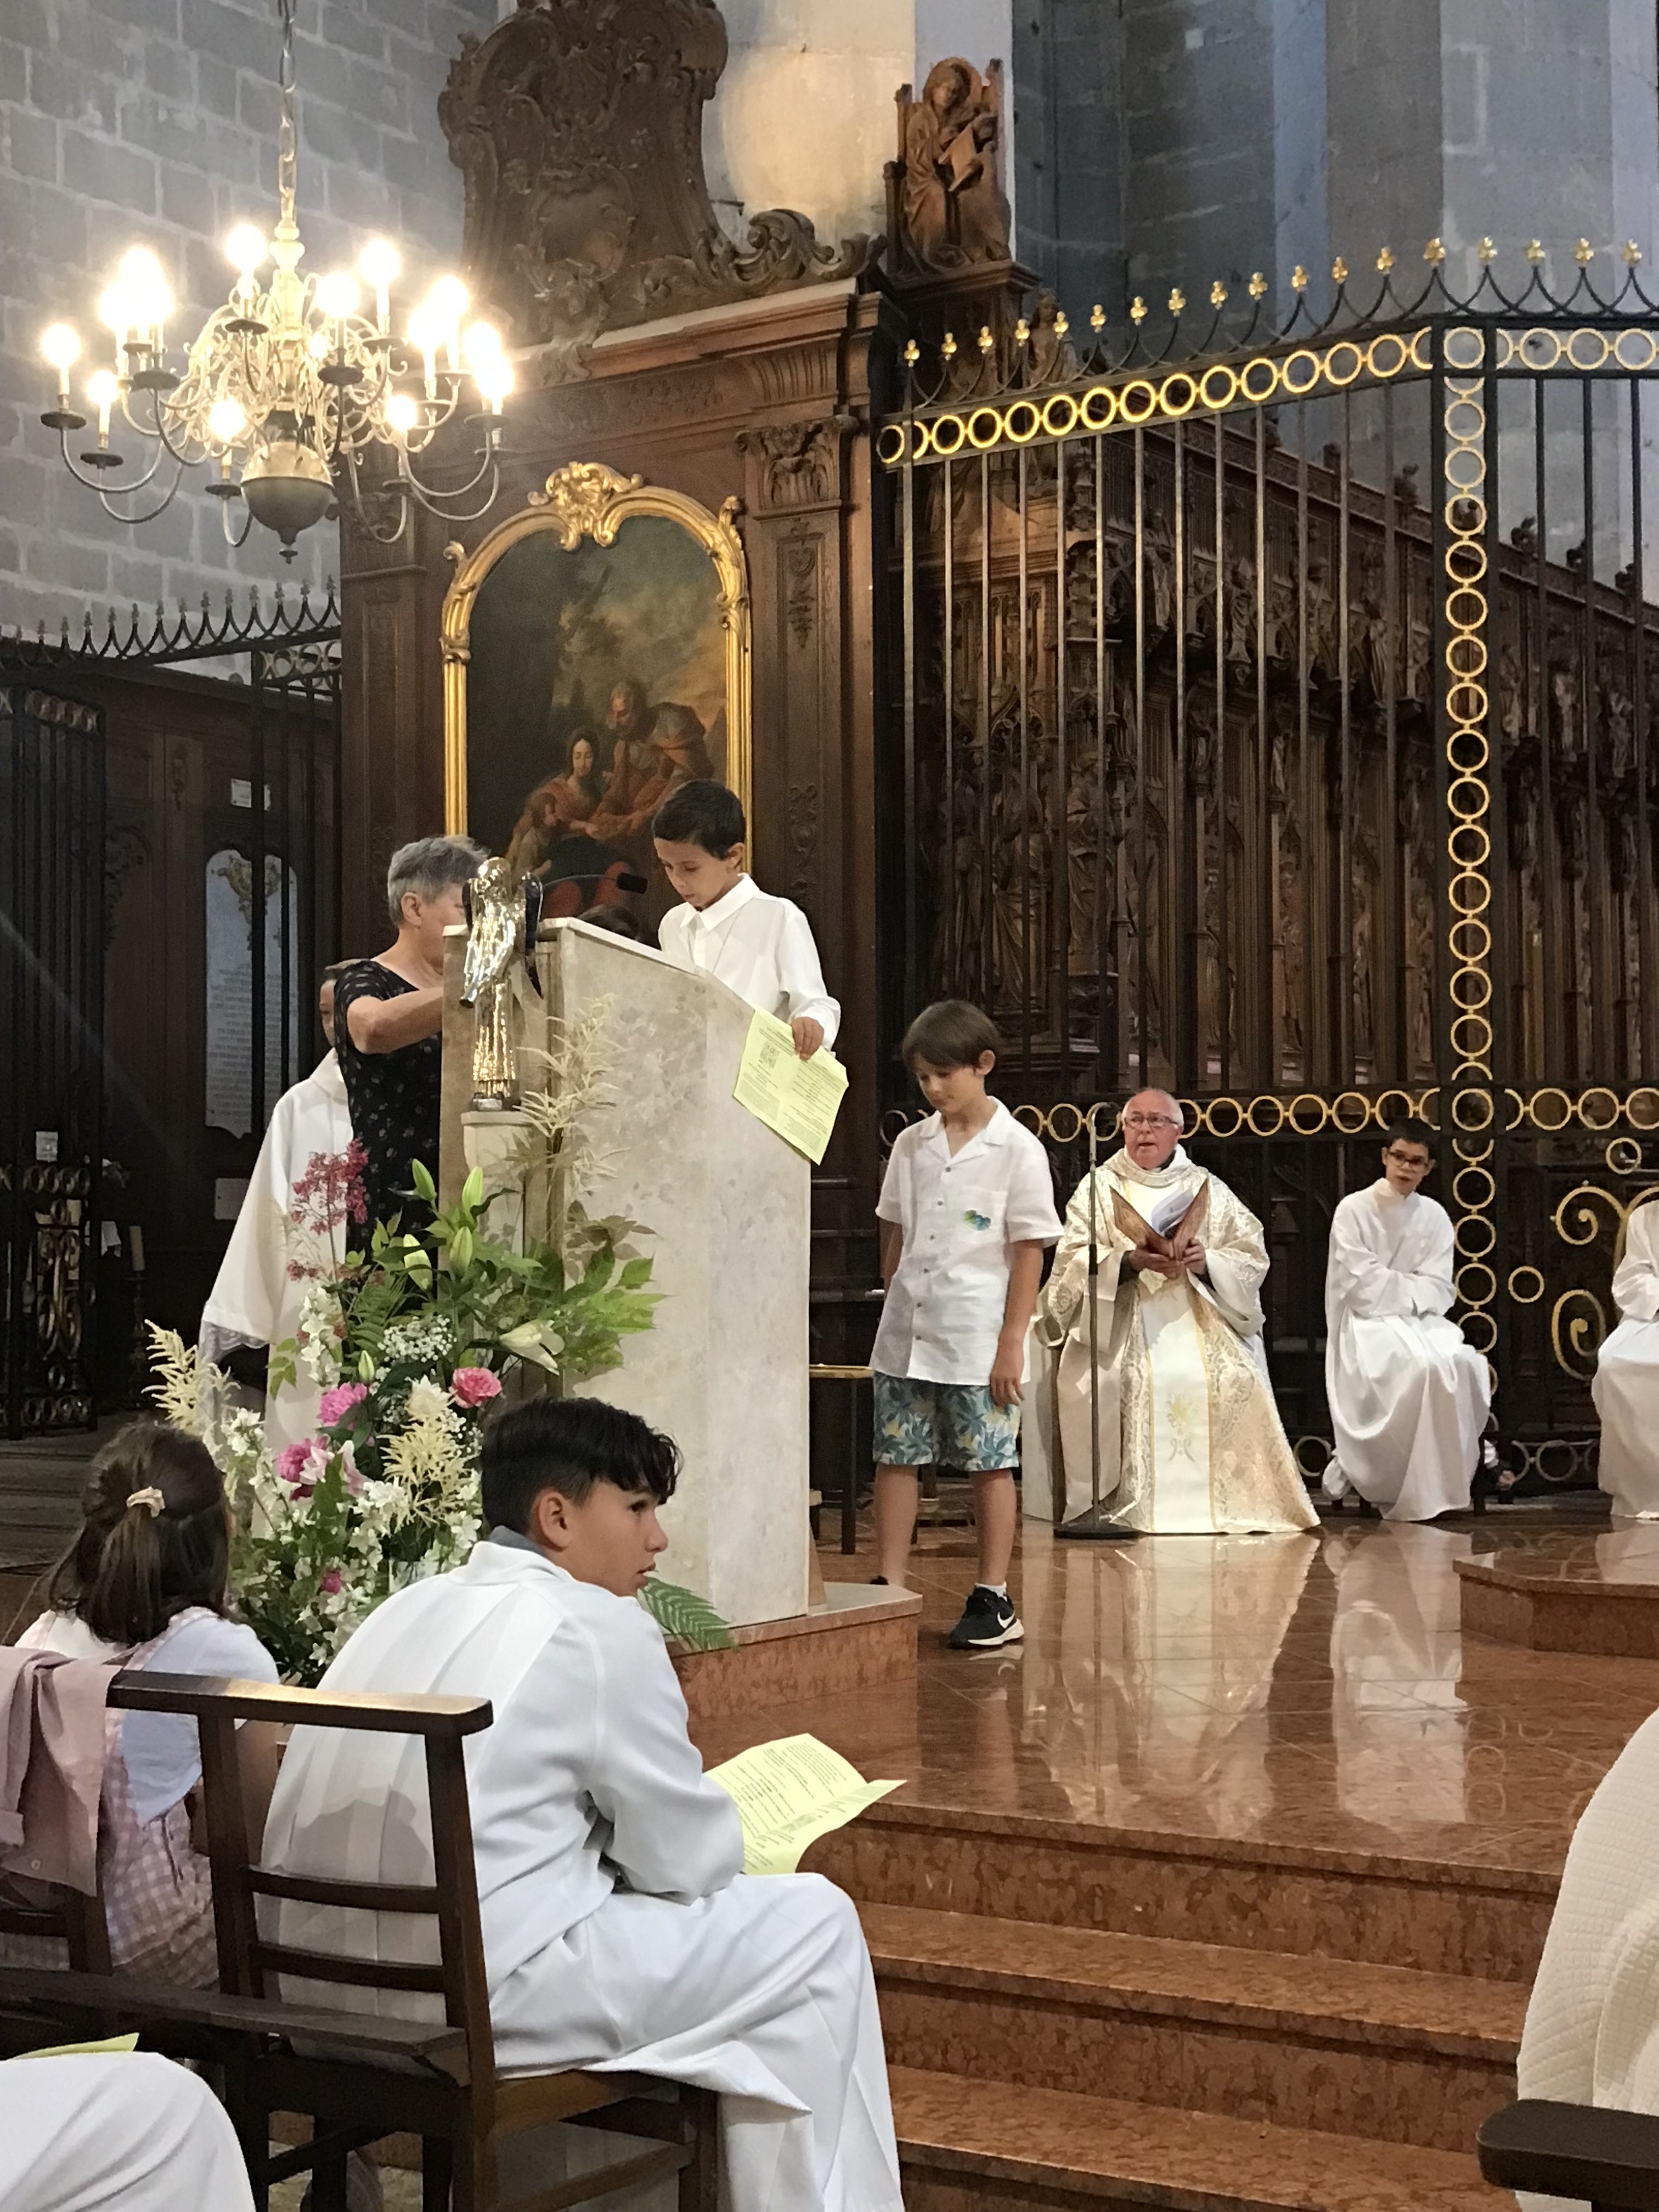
(153, 122)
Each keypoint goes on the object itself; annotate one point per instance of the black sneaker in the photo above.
(988, 1620)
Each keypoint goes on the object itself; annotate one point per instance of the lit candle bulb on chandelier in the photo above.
(62, 349)
(149, 301)
(446, 302)
(403, 412)
(103, 389)
(378, 265)
(245, 249)
(425, 336)
(337, 298)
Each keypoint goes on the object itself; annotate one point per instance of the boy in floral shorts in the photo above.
(966, 1208)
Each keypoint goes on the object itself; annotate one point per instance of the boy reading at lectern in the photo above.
(966, 1208)
(620, 1931)
(761, 947)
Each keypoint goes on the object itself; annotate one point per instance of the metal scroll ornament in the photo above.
(495, 941)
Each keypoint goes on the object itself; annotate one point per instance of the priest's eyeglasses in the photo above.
(1150, 1121)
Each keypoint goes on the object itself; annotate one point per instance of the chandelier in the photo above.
(292, 390)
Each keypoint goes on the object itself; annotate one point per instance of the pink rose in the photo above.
(474, 1386)
(330, 1583)
(337, 1403)
(294, 1463)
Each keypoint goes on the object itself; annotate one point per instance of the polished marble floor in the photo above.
(1315, 1691)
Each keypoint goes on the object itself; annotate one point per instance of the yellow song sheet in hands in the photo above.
(790, 1793)
(799, 1098)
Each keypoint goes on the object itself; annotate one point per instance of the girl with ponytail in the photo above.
(145, 1584)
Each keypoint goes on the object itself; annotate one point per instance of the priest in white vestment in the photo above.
(1409, 1396)
(1190, 1440)
(1626, 1386)
(294, 1225)
(619, 1929)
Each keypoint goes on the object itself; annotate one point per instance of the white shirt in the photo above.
(761, 947)
(961, 1216)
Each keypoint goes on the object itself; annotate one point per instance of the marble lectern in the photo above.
(726, 1203)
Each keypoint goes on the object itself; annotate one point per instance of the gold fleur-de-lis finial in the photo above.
(986, 341)
(1534, 251)
(1385, 259)
(949, 348)
(1062, 322)
(1485, 252)
(1217, 294)
(1434, 252)
(1298, 278)
(1632, 253)
(1097, 317)
(1339, 270)
(1177, 301)
(1584, 253)
(1258, 285)
(1137, 310)
(1022, 333)
(912, 352)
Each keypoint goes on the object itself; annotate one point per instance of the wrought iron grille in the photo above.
(52, 950)
(1277, 725)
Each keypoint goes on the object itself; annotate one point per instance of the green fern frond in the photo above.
(688, 1618)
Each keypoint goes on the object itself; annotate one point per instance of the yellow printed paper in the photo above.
(799, 1098)
(110, 2043)
(790, 1793)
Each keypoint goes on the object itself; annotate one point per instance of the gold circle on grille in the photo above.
(1475, 1236)
(1623, 1156)
(1344, 1108)
(1644, 1114)
(1307, 368)
(1535, 1282)
(1167, 404)
(1030, 422)
(1230, 382)
(1480, 1329)
(1077, 1126)
(1470, 940)
(984, 428)
(1231, 1106)
(957, 427)
(1465, 348)
(1556, 1119)
(1400, 354)
(1054, 426)
(1472, 1109)
(1256, 1106)
(1341, 378)
(1145, 396)
(1258, 378)
(1473, 1188)
(1607, 1112)
(1098, 406)
(1466, 421)
(1588, 348)
(891, 453)
(1466, 1278)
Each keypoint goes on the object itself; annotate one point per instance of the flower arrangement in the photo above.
(410, 1342)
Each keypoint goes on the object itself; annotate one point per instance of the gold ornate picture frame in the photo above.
(586, 500)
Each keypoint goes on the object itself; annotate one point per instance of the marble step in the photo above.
(1438, 1917)
(973, 2145)
(1347, 2047)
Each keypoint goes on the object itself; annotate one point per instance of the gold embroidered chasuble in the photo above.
(1190, 1438)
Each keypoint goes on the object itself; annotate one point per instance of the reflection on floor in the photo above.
(1227, 1887)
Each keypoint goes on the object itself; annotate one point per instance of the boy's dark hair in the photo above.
(130, 1570)
(949, 1034)
(568, 1444)
(705, 814)
(1408, 1130)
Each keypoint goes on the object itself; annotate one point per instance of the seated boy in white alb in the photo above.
(619, 1931)
(760, 946)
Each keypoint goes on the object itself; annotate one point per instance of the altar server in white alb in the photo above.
(1409, 1396)
(1190, 1441)
(296, 1222)
(619, 1929)
(115, 2131)
(1626, 1385)
(1592, 2029)
(761, 947)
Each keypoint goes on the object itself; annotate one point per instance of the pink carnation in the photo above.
(294, 1464)
(337, 1403)
(474, 1386)
(330, 1583)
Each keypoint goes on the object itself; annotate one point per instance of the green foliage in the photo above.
(686, 1617)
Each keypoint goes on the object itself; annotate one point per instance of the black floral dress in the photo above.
(393, 1097)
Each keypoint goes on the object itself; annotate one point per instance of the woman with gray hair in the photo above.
(388, 1015)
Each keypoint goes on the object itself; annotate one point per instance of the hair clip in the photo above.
(153, 1499)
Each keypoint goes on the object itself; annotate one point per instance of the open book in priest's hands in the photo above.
(1176, 1222)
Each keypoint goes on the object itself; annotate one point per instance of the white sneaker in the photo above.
(1336, 1485)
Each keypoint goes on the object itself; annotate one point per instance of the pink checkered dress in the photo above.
(158, 1893)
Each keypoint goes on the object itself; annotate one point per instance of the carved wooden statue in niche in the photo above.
(946, 208)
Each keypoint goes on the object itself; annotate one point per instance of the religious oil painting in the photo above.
(600, 675)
